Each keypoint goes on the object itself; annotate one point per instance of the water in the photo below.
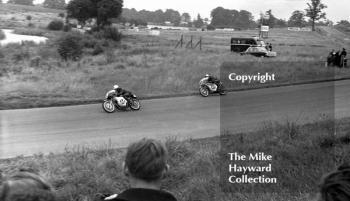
(10, 37)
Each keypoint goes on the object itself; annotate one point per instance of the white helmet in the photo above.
(206, 75)
(115, 87)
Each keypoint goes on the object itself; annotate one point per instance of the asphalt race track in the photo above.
(45, 130)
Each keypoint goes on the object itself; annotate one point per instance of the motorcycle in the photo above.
(113, 103)
(207, 88)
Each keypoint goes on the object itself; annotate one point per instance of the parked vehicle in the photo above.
(241, 44)
(259, 52)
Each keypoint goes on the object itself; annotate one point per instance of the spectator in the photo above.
(344, 59)
(145, 166)
(336, 185)
(331, 58)
(337, 59)
(26, 186)
(267, 46)
(343, 53)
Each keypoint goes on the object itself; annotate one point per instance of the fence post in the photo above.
(180, 42)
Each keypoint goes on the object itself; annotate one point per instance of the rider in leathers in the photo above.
(211, 79)
(118, 91)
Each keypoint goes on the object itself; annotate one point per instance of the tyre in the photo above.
(108, 106)
(135, 104)
(223, 92)
(204, 91)
(221, 89)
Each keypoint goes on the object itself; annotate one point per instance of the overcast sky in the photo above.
(336, 11)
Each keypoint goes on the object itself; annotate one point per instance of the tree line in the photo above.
(221, 17)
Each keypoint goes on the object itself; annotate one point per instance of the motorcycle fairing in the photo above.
(121, 101)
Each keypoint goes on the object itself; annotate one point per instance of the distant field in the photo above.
(35, 75)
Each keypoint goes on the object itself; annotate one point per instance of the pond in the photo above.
(10, 37)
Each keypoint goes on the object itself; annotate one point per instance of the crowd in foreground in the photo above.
(145, 166)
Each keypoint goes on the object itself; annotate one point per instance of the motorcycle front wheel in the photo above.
(108, 106)
(135, 104)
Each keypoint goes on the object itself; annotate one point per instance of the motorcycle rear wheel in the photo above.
(108, 106)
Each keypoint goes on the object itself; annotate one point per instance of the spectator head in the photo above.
(146, 160)
(26, 186)
(336, 185)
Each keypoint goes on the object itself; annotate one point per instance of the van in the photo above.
(242, 44)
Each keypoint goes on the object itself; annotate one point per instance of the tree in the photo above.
(198, 22)
(22, 2)
(225, 18)
(281, 23)
(107, 9)
(244, 20)
(186, 17)
(172, 16)
(101, 10)
(222, 18)
(314, 11)
(271, 19)
(297, 19)
(56, 4)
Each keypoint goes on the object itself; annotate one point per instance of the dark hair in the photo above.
(336, 185)
(146, 159)
(26, 186)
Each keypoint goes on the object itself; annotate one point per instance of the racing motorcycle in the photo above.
(113, 103)
(207, 88)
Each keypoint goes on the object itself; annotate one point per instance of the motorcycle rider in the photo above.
(118, 91)
(211, 79)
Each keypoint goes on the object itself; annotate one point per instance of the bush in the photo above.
(210, 27)
(70, 46)
(29, 17)
(2, 35)
(109, 33)
(97, 50)
(31, 25)
(67, 27)
(62, 15)
(56, 25)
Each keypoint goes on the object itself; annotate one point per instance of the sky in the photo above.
(337, 9)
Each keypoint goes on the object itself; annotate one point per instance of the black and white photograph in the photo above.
(130, 100)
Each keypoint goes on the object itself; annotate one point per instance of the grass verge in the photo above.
(150, 66)
(302, 154)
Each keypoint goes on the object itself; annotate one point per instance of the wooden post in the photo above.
(199, 43)
(191, 41)
(180, 42)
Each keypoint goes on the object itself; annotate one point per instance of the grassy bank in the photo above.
(35, 75)
(301, 155)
